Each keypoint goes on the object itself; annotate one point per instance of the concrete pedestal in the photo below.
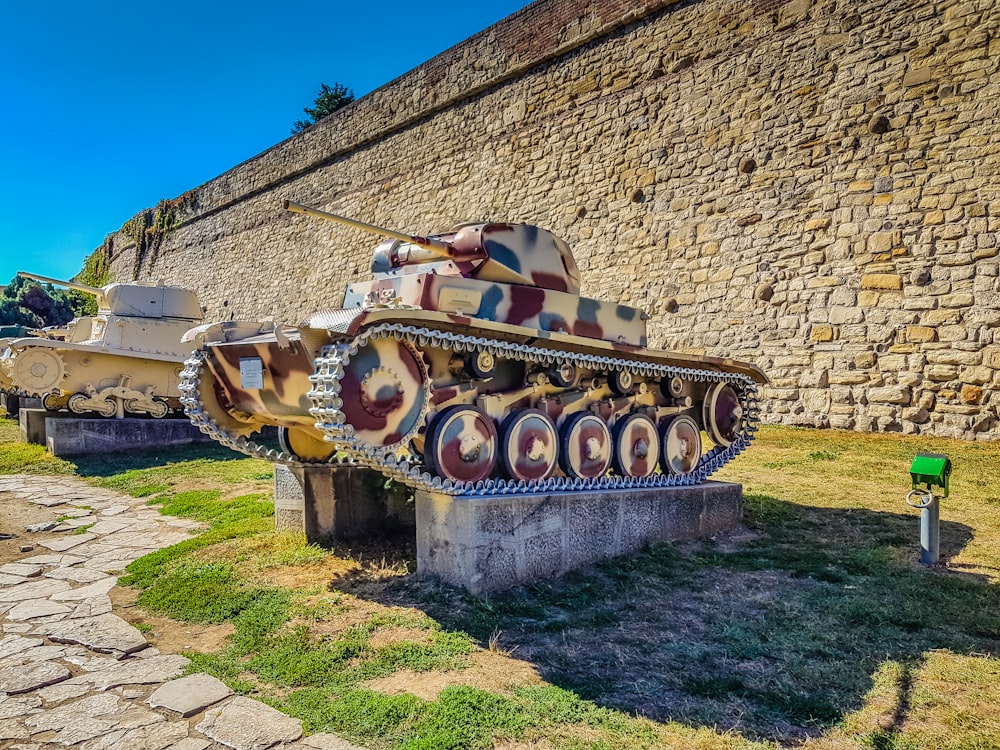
(71, 436)
(488, 544)
(10, 403)
(328, 504)
(32, 423)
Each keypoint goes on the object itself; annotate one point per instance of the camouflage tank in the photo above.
(470, 363)
(126, 359)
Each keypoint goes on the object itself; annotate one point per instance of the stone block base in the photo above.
(488, 544)
(334, 504)
(32, 423)
(71, 436)
(10, 404)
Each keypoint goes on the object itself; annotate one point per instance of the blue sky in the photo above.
(110, 106)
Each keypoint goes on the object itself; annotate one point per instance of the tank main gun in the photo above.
(505, 253)
(95, 290)
(437, 248)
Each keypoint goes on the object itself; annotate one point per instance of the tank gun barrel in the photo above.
(59, 282)
(434, 245)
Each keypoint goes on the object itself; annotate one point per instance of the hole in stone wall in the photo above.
(638, 196)
(879, 124)
(581, 212)
(747, 165)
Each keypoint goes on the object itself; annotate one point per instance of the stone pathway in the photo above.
(73, 674)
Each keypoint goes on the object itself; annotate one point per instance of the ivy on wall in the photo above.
(147, 229)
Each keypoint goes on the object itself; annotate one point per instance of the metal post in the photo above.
(932, 470)
(930, 524)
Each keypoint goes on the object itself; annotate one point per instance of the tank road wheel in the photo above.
(723, 414)
(80, 404)
(585, 446)
(158, 411)
(385, 392)
(636, 446)
(305, 444)
(621, 382)
(529, 445)
(461, 444)
(38, 370)
(564, 376)
(680, 441)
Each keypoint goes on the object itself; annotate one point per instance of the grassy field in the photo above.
(813, 626)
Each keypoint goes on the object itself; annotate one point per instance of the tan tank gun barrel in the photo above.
(59, 282)
(438, 247)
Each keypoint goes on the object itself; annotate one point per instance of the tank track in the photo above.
(400, 465)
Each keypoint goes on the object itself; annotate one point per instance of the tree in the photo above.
(328, 101)
(28, 303)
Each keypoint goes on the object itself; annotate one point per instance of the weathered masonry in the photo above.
(810, 185)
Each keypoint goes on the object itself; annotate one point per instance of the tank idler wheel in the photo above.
(723, 414)
(481, 365)
(680, 445)
(305, 444)
(529, 445)
(564, 376)
(636, 446)
(53, 401)
(621, 382)
(585, 446)
(215, 401)
(461, 444)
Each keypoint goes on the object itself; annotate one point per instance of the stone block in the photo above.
(958, 299)
(74, 436)
(822, 333)
(289, 501)
(541, 536)
(976, 375)
(920, 334)
(971, 394)
(329, 504)
(890, 394)
(32, 423)
(10, 403)
(882, 281)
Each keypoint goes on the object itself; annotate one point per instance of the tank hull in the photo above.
(88, 378)
(455, 404)
(126, 359)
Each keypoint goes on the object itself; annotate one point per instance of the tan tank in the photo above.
(126, 359)
(470, 363)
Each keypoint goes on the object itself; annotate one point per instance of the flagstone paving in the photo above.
(75, 675)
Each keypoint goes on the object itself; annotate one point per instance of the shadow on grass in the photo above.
(777, 636)
(110, 464)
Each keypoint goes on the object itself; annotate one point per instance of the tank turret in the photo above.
(470, 363)
(125, 359)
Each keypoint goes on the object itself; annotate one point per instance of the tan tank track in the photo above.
(402, 466)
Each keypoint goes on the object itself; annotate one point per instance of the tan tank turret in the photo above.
(470, 363)
(126, 359)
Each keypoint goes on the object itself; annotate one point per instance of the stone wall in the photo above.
(813, 186)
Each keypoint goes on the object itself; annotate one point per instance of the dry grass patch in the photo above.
(487, 670)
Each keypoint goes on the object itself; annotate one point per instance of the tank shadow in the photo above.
(109, 464)
(776, 631)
